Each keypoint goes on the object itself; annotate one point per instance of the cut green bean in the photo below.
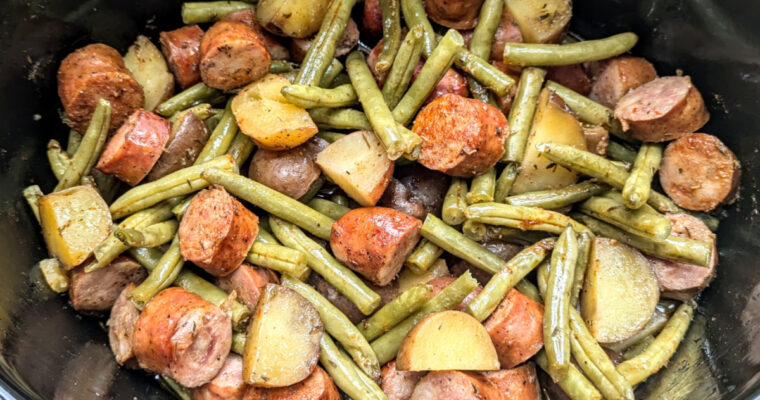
(32, 195)
(180, 209)
(454, 242)
(505, 181)
(221, 138)
(339, 199)
(558, 198)
(482, 38)
(329, 208)
(186, 98)
(282, 66)
(89, 150)
(54, 275)
(266, 237)
(575, 385)
(238, 343)
(165, 272)
(75, 139)
(423, 256)
(521, 114)
(534, 54)
(209, 11)
(343, 371)
(455, 202)
(482, 188)
(58, 159)
(395, 311)
(313, 97)
(150, 236)
(330, 137)
(592, 371)
(414, 16)
(179, 391)
(584, 251)
(557, 303)
(241, 148)
(639, 183)
(391, 17)
(332, 73)
(340, 118)
(108, 185)
(474, 230)
(526, 218)
(278, 258)
(483, 72)
(542, 277)
(617, 151)
(401, 72)
(643, 222)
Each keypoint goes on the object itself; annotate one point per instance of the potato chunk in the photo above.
(293, 18)
(74, 221)
(541, 21)
(146, 63)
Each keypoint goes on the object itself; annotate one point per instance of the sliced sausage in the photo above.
(374, 241)
(460, 136)
(217, 231)
(516, 328)
(372, 19)
(98, 290)
(248, 282)
(699, 172)
(372, 62)
(318, 386)
(398, 385)
(228, 384)
(679, 280)
(121, 326)
(182, 50)
(663, 109)
(573, 76)
(416, 191)
(349, 39)
(136, 147)
(506, 32)
(616, 76)
(597, 139)
(455, 385)
(186, 143)
(232, 55)
(458, 14)
(519, 383)
(291, 172)
(183, 336)
(504, 250)
(93, 72)
(276, 50)
(441, 282)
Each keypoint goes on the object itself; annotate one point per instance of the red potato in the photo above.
(217, 231)
(398, 385)
(455, 385)
(136, 147)
(679, 280)
(452, 82)
(121, 326)
(375, 241)
(507, 32)
(248, 282)
(416, 191)
(516, 328)
(93, 72)
(291, 172)
(318, 386)
(182, 50)
(347, 41)
(456, 14)
(232, 55)
(276, 50)
(183, 336)
(663, 109)
(572, 76)
(98, 290)
(615, 77)
(441, 282)
(372, 19)
(699, 172)
(228, 384)
(460, 137)
(519, 383)
(183, 147)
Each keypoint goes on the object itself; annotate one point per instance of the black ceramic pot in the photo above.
(47, 351)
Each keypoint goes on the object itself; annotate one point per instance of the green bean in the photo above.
(617, 151)
(639, 183)
(454, 242)
(221, 138)
(534, 54)
(202, 111)
(107, 185)
(54, 275)
(557, 303)
(542, 277)
(282, 66)
(272, 201)
(482, 188)
(238, 343)
(575, 385)
(57, 158)
(320, 260)
(558, 198)
(527, 218)
(165, 272)
(279, 258)
(266, 237)
(343, 371)
(212, 122)
(182, 182)
(340, 118)
(387, 345)
(75, 139)
(414, 16)
(241, 148)
(455, 202)
(395, 311)
(150, 236)
(592, 371)
(401, 72)
(313, 97)
(423, 256)
(339, 199)
(332, 73)
(391, 17)
(485, 73)
(330, 137)
(584, 251)
(639, 368)
(329, 208)
(638, 348)
(505, 181)
(322, 49)
(32, 195)
(89, 150)
(312, 191)
(209, 11)
(381, 119)
(643, 222)
(521, 114)
(181, 207)
(674, 248)
(527, 288)
(474, 230)
(339, 326)
(482, 37)
(510, 274)
(179, 391)
(432, 71)
(186, 98)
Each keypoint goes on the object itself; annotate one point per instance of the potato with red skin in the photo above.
(98, 290)
(227, 384)
(318, 386)
(416, 191)
(247, 281)
(398, 385)
(441, 282)
(506, 32)
(183, 147)
(455, 385)
(121, 326)
(232, 55)
(456, 14)
(217, 231)
(374, 241)
(460, 137)
(182, 336)
(699, 172)
(519, 383)
(182, 50)
(93, 72)
(617, 76)
(275, 49)
(347, 41)
(452, 82)
(372, 19)
(291, 172)
(572, 76)
(516, 328)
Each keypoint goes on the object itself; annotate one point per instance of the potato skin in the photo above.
(293, 18)
(516, 328)
(372, 19)
(456, 14)
(416, 191)
(347, 41)
(232, 55)
(183, 148)
(291, 172)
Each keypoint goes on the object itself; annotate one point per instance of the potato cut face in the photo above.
(541, 21)
(74, 222)
(553, 122)
(408, 279)
(448, 340)
(620, 291)
(282, 345)
(146, 63)
(293, 18)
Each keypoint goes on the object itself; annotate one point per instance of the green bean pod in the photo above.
(266, 237)
(558, 198)
(592, 371)
(150, 236)
(75, 139)
(534, 54)
(641, 222)
(575, 385)
(89, 150)
(521, 114)
(330, 137)
(165, 272)
(403, 67)
(209, 11)
(340, 118)
(313, 97)
(241, 148)
(639, 183)
(332, 73)
(455, 202)
(527, 288)
(238, 343)
(278, 258)
(391, 17)
(423, 256)
(617, 151)
(482, 38)
(55, 276)
(184, 99)
(474, 230)
(282, 66)
(584, 251)
(221, 138)
(395, 311)
(482, 188)
(557, 303)
(58, 159)
(414, 16)
(343, 371)
(505, 181)
(454, 242)
(32, 195)
(483, 72)
(329, 208)
(526, 218)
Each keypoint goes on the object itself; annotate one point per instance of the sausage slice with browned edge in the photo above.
(121, 326)
(248, 282)
(679, 280)
(182, 50)
(93, 72)
(217, 231)
(455, 385)
(374, 241)
(98, 290)
(617, 76)
(460, 137)
(291, 172)
(699, 172)
(276, 50)
(318, 386)
(457, 14)
(228, 384)
(136, 147)
(372, 19)
(183, 147)
(232, 55)
(516, 328)
(519, 383)
(663, 109)
(398, 385)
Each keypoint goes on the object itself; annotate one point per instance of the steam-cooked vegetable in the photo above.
(146, 63)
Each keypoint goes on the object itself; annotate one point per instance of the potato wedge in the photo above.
(271, 121)
(553, 122)
(406, 279)
(448, 340)
(74, 222)
(294, 18)
(620, 292)
(282, 345)
(541, 21)
(146, 63)
(358, 164)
